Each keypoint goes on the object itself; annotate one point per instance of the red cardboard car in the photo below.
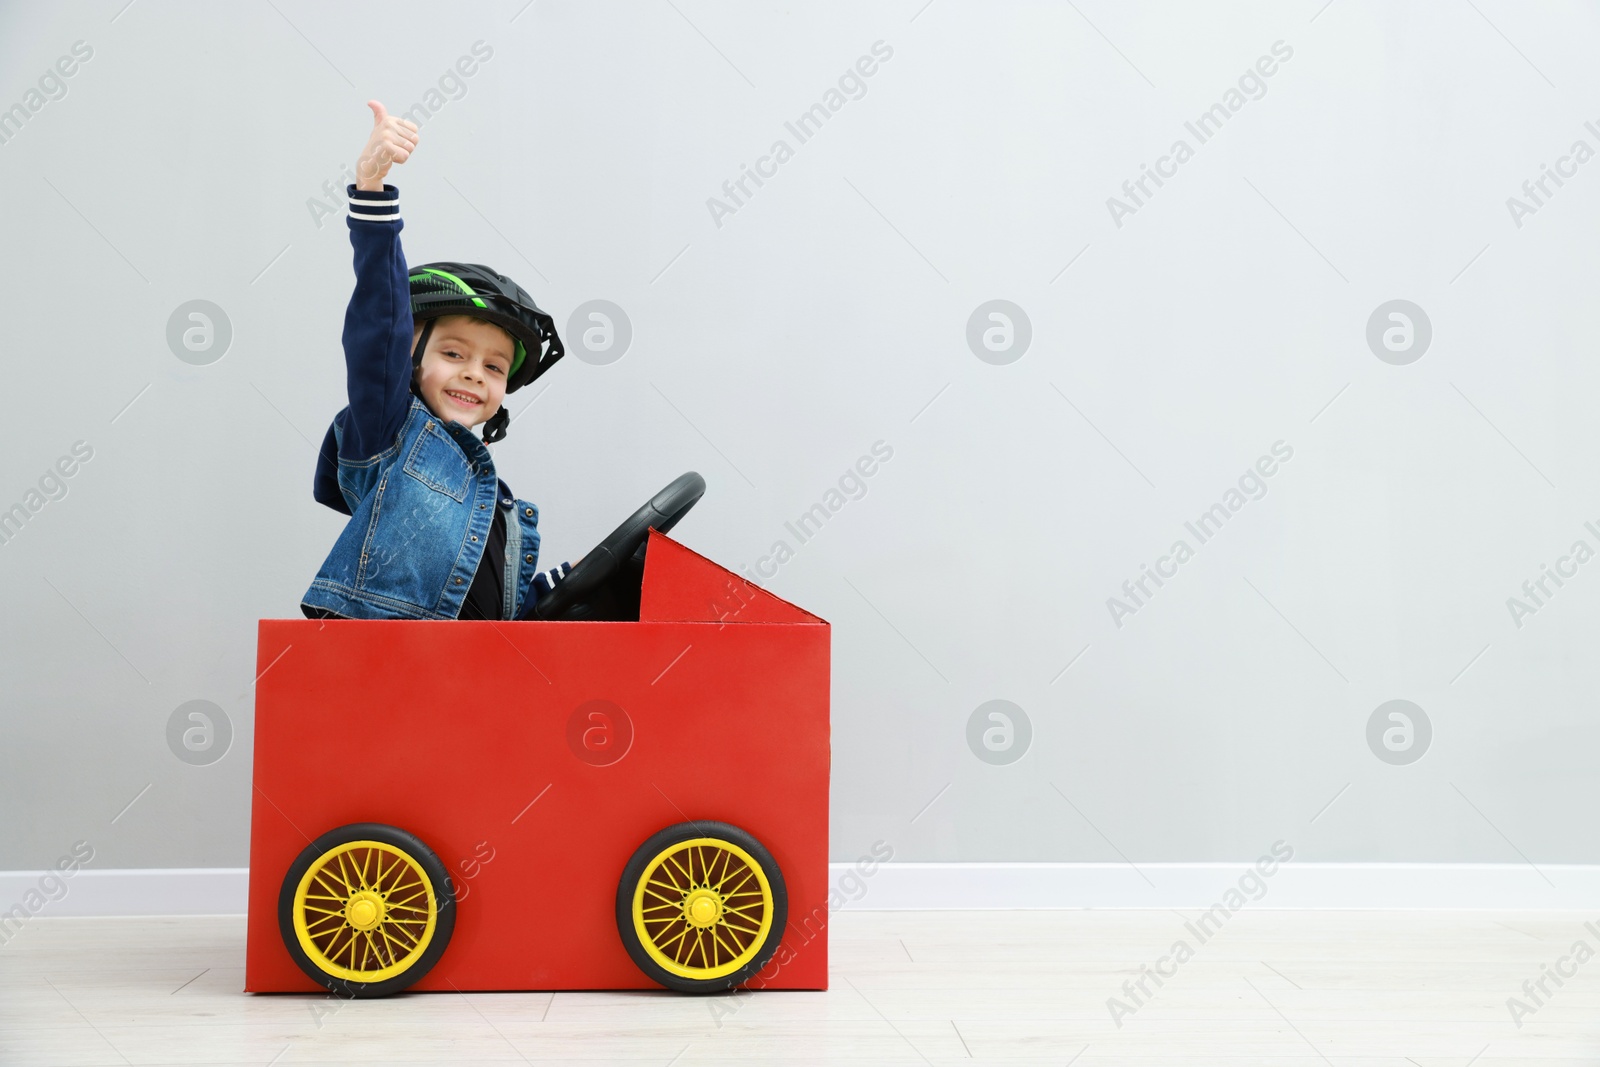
(544, 804)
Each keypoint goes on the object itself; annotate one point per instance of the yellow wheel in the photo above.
(701, 907)
(366, 909)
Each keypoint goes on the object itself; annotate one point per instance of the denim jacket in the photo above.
(418, 489)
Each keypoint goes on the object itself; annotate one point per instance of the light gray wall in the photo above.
(830, 311)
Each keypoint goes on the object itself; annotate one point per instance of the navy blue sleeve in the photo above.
(545, 581)
(377, 327)
(325, 487)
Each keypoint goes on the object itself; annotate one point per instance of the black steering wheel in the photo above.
(605, 585)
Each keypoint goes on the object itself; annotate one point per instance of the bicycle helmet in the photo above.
(448, 288)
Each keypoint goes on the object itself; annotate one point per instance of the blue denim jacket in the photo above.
(418, 489)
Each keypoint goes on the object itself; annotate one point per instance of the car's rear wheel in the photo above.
(701, 907)
(366, 909)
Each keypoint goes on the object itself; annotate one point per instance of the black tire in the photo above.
(766, 943)
(402, 881)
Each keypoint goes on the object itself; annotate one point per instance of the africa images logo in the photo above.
(1205, 527)
(1206, 126)
(852, 85)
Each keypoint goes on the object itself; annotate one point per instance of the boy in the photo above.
(429, 354)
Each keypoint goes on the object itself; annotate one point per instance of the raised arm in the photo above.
(377, 323)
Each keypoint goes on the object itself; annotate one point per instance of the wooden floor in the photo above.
(1376, 989)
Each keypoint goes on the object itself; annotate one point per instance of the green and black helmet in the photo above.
(448, 288)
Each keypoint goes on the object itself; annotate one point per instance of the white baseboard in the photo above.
(141, 891)
(943, 886)
(963, 886)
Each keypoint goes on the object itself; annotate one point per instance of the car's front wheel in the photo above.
(701, 907)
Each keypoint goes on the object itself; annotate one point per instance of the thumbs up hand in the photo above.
(392, 141)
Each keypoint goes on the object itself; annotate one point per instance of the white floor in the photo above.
(1376, 989)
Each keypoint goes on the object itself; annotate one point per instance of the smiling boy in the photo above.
(430, 353)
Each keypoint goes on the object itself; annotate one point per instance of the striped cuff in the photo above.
(545, 581)
(374, 207)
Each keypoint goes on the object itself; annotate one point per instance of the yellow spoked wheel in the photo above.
(701, 906)
(366, 909)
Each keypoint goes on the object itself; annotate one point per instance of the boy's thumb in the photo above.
(378, 112)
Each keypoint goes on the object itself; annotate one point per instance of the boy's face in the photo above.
(465, 358)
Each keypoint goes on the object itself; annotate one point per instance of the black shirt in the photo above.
(486, 595)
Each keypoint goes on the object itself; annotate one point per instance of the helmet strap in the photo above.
(422, 343)
(494, 428)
